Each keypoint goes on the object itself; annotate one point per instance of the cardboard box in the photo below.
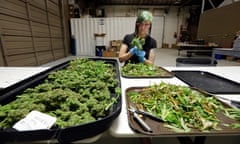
(112, 49)
(230, 58)
(118, 48)
(117, 53)
(174, 46)
(115, 43)
(165, 45)
(110, 54)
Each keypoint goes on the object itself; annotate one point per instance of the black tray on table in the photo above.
(208, 82)
(63, 135)
(158, 128)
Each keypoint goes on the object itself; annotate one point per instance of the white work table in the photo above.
(225, 51)
(120, 127)
(11, 75)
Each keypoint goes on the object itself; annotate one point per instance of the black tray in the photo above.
(64, 135)
(208, 82)
(158, 128)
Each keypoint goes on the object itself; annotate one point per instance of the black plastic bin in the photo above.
(194, 62)
(99, 50)
(60, 135)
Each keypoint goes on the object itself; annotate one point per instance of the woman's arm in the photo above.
(151, 58)
(123, 54)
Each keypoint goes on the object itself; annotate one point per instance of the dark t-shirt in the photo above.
(150, 43)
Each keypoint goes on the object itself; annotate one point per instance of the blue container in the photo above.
(99, 50)
(218, 56)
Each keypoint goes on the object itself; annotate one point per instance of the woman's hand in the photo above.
(141, 59)
(133, 50)
(141, 55)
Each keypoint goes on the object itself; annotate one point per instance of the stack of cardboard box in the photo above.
(165, 45)
(113, 49)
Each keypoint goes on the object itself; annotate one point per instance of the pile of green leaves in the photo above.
(180, 107)
(141, 70)
(138, 42)
(75, 95)
(233, 113)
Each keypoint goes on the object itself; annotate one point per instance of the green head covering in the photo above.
(144, 16)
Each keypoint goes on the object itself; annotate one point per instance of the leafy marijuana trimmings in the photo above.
(78, 94)
(138, 42)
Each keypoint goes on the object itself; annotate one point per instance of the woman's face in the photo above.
(143, 28)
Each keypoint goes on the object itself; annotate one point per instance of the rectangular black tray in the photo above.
(158, 128)
(64, 135)
(208, 82)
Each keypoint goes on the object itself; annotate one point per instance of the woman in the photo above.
(128, 52)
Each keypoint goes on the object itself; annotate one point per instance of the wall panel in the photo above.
(57, 43)
(220, 25)
(22, 60)
(40, 30)
(38, 15)
(115, 28)
(15, 8)
(45, 57)
(32, 32)
(14, 26)
(58, 53)
(54, 20)
(2, 62)
(39, 4)
(18, 45)
(56, 32)
(84, 29)
(42, 44)
(53, 8)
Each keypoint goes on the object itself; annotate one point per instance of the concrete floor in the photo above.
(167, 57)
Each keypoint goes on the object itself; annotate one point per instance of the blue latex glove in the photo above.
(140, 53)
(133, 50)
(141, 59)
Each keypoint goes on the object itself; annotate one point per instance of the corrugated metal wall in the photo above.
(115, 28)
(84, 29)
(31, 32)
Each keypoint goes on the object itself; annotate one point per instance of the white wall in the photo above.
(166, 21)
(157, 30)
(83, 31)
(115, 28)
(172, 20)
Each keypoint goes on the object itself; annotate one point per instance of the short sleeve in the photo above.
(154, 43)
(128, 39)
